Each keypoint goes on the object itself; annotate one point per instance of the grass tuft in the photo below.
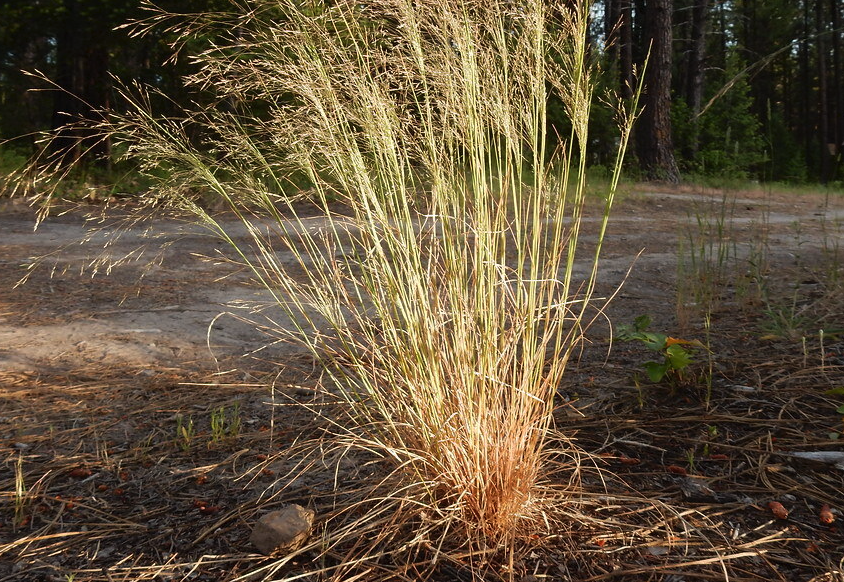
(437, 283)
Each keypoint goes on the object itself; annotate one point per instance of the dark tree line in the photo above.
(58, 59)
(734, 88)
(755, 88)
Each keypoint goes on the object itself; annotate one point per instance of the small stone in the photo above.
(284, 530)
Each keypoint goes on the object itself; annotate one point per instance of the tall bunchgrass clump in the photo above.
(437, 287)
(719, 263)
(706, 258)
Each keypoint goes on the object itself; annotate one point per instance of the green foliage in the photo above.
(225, 422)
(726, 139)
(61, 40)
(785, 319)
(786, 161)
(185, 432)
(676, 353)
(12, 161)
(837, 391)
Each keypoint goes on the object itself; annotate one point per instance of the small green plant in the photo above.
(706, 255)
(718, 262)
(639, 391)
(785, 320)
(707, 326)
(225, 423)
(676, 353)
(690, 459)
(185, 432)
(711, 435)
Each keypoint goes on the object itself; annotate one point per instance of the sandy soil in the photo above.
(171, 302)
(157, 296)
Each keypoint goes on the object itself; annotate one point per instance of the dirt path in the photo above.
(165, 303)
(179, 310)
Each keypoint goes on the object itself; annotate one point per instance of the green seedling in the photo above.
(838, 391)
(712, 434)
(785, 321)
(677, 354)
(639, 391)
(184, 432)
(225, 423)
(690, 459)
(218, 424)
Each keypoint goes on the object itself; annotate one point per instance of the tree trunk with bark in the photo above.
(823, 95)
(694, 72)
(837, 113)
(654, 145)
(625, 49)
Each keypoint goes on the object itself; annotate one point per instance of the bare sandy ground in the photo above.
(169, 301)
(166, 302)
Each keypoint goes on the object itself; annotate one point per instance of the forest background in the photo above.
(737, 89)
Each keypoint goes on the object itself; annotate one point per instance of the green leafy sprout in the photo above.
(225, 422)
(677, 354)
(185, 432)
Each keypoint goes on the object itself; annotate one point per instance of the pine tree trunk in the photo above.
(837, 113)
(823, 94)
(653, 137)
(694, 73)
(618, 28)
(804, 109)
(626, 48)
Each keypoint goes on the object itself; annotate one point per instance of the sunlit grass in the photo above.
(438, 287)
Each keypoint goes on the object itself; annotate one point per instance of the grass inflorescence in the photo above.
(437, 288)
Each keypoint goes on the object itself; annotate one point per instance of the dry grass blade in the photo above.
(438, 287)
